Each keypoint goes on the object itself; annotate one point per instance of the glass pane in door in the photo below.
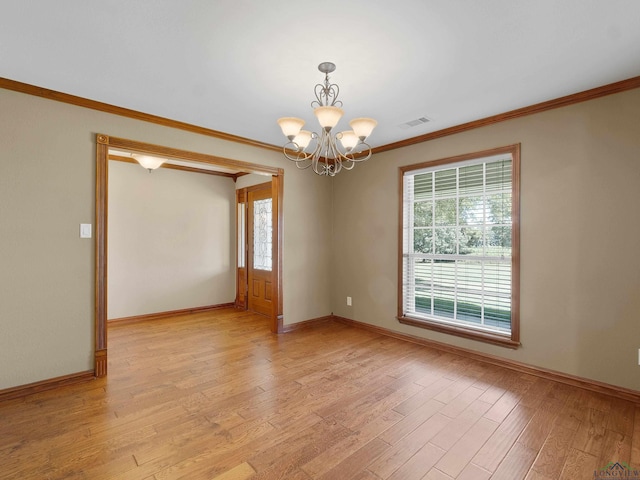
(262, 234)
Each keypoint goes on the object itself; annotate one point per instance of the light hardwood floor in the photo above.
(216, 396)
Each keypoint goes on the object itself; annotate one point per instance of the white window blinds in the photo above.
(457, 239)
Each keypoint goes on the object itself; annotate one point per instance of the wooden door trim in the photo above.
(277, 194)
(182, 168)
(103, 144)
(169, 152)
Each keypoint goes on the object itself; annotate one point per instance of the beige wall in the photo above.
(47, 188)
(250, 180)
(580, 264)
(171, 240)
(580, 231)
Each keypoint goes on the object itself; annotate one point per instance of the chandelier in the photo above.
(325, 156)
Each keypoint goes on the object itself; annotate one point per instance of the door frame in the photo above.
(243, 194)
(103, 144)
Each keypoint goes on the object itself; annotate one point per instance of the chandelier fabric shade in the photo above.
(327, 157)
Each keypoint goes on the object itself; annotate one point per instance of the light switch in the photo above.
(85, 230)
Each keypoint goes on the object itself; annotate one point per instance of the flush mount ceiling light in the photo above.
(148, 162)
(327, 158)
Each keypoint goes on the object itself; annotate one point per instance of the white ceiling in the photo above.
(238, 65)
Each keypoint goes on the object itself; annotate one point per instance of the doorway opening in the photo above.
(103, 144)
(254, 207)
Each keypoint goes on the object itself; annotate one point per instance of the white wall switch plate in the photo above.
(348, 301)
(85, 230)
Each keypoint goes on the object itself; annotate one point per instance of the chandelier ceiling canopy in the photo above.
(321, 151)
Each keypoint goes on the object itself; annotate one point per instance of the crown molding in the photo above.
(617, 87)
(126, 112)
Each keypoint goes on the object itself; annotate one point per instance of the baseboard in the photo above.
(305, 324)
(44, 385)
(573, 380)
(157, 316)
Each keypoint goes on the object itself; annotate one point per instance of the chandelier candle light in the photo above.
(327, 158)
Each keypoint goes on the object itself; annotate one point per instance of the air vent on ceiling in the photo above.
(415, 123)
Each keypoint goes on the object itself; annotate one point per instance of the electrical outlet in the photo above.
(349, 303)
(639, 356)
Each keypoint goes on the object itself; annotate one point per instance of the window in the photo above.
(263, 231)
(459, 246)
(241, 233)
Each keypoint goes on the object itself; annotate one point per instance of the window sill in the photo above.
(487, 337)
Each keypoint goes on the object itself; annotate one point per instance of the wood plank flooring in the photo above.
(216, 396)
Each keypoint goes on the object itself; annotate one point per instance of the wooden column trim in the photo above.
(102, 188)
(100, 367)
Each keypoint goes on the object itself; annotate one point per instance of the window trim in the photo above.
(505, 340)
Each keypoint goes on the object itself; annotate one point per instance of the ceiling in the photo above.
(238, 65)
